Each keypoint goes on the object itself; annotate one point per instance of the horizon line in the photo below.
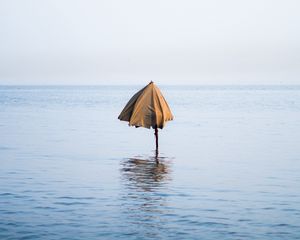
(136, 84)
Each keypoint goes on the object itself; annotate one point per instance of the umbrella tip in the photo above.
(151, 82)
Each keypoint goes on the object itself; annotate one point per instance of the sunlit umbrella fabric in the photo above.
(147, 108)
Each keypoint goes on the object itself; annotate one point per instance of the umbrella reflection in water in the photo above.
(146, 174)
(145, 195)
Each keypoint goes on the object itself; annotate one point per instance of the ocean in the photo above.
(229, 164)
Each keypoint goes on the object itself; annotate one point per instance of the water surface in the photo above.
(228, 166)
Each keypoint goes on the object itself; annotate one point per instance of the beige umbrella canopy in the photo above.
(147, 108)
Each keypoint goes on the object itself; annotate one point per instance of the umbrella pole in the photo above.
(156, 138)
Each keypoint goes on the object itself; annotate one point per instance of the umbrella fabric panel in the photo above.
(125, 115)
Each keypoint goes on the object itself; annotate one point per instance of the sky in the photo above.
(91, 42)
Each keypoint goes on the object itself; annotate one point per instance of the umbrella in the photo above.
(147, 108)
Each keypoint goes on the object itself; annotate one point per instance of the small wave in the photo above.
(213, 224)
(44, 207)
(76, 198)
(70, 203)
(7, 194)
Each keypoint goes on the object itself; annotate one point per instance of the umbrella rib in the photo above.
(152, 101)
(162, 112)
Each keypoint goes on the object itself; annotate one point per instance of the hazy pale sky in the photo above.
(135, 41)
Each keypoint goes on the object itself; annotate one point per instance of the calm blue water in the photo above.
(229, 165)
